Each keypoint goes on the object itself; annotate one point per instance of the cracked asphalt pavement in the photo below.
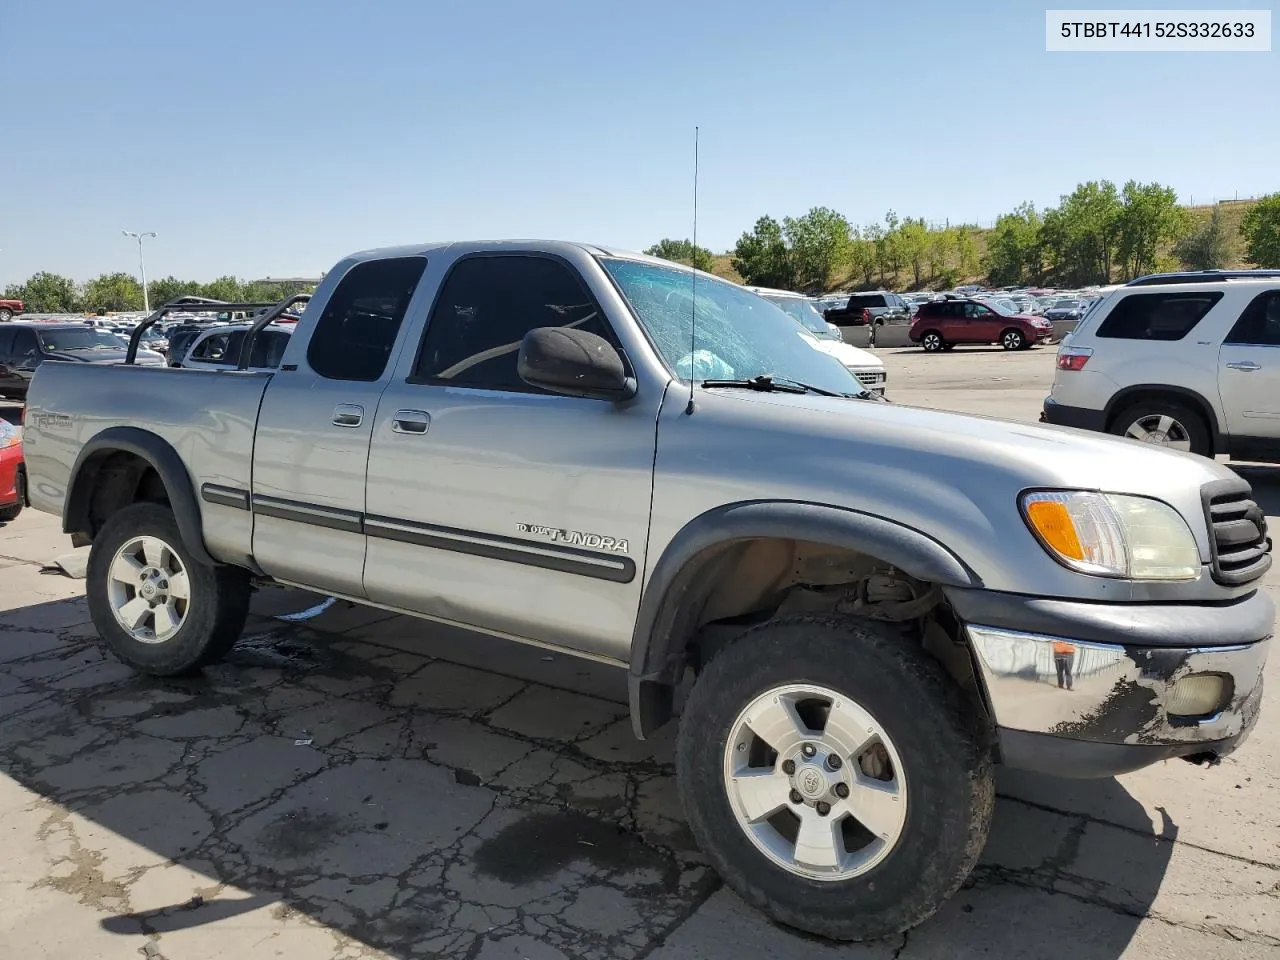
(362, 785)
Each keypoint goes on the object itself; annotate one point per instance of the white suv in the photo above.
(863, 364)
(1178, 361)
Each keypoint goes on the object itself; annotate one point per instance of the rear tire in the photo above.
(184, 614)
(869, 680)
(1165, 423)
(5, 314)
(932, 342)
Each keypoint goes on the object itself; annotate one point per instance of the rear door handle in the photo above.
(415, 422)
(1248, 366)
(348, 415)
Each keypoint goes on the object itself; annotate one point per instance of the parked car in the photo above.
(13, 476)
(1065, 310)
(155, 341)
(10, 308)
(863, 364)
(1192, 366)
(880, 306)
(543, 440)
(218, 348)
(943, 324)
(25, 346)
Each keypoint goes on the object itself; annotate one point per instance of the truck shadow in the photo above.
(339, 773)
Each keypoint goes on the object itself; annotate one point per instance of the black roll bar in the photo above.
(191, 304)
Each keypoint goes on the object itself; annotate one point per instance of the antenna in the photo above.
(693, 308)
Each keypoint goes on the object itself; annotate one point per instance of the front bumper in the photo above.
(10, 489)
(1099, 705)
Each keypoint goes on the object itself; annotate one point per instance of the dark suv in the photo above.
(881, 307)
(24, 346)
(941, 324)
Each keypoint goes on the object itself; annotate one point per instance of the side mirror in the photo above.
(575, 363)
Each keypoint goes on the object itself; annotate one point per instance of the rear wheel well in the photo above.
(732, 586)
(109, 482)
(1192, 401)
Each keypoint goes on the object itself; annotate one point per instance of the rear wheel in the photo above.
(1012, 339)
(5, 314)
(933, 342)
(1165, 423)
(834, 776)
(155, 607)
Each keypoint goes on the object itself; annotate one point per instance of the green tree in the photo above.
(224, 288)
(1015, 247)
(862, 257)
(1260, 228)
(879, 248)
(170, 288)
(892, 244)
(1082, 233)
(1209, 246)
(266, 291)
(683, 251)
(761, 256)
(819, 244)
(939, 255)
(46, 293)
(913, 245)
(966, 251)
(1149, 221)
(112, 291)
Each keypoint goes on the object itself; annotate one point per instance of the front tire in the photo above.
(834, 776)
(154, 607)
(932, 342)
(1013, 339)
(5, 314)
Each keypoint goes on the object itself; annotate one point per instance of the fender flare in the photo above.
(157, 452)
(706, 541)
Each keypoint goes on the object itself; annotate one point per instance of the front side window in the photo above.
(24, 344)
(1157, 316)
(353, 338)
(975, 311)
(1259, 324)
(721, 331)
(484, 309)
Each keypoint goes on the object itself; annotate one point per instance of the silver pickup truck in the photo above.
(863, 605)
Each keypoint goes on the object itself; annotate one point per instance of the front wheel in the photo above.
(834, 776)
(5, 314)
(156, 608)
(1013, 340)
(933, 342)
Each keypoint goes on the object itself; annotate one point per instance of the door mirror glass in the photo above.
(573, 362)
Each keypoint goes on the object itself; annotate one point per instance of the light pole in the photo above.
(142, 264)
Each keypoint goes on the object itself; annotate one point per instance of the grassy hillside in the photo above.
(1232, 213)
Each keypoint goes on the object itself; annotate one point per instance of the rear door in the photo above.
(1249, 371)
(312, 441)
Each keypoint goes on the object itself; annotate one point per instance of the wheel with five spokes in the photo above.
(155, 607)
(835, 777)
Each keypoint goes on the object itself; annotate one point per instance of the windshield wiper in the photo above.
(768, 383)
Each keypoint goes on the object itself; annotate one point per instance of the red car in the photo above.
(9, 307)
(941, 324)
(13, 473)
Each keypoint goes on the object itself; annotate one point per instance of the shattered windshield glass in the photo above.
(739, 335)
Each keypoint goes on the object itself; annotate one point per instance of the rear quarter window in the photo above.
(1157, 316)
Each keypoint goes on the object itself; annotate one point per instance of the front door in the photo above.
(496, 505)
(314, 426)
(1249, 372)
(982, 324)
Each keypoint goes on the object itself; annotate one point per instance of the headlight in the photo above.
(1113, 535)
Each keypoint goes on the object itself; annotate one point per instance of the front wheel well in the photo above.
(733, 586)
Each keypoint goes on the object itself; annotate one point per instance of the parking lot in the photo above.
(354, 784)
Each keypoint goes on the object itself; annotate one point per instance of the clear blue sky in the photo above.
(424, 119)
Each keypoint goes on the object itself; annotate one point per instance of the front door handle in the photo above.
(415, 422)
(1248, 366)
(348, 415)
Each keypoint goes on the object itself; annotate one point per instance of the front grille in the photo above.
(871, 379)
(1238, 537)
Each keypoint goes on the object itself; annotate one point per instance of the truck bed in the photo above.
(207, 416)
